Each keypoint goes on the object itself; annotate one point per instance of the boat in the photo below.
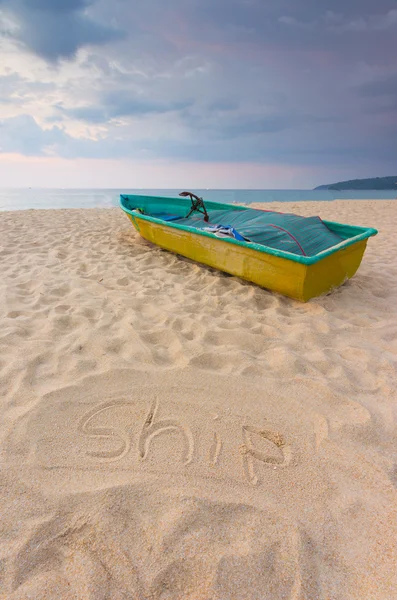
(299, 257)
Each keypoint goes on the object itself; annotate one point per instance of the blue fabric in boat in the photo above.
(305, 236)
(224, 231)
(165, 216)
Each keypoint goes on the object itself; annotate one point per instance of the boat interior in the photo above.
(302, 236)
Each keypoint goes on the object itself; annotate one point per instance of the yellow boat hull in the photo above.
(296, 280)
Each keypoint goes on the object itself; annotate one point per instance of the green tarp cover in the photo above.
(305, 236)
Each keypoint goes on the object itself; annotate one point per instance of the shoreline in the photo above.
(87, 198)
(277, 205)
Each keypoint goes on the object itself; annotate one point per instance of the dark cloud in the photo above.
(223, 105)
(122, 104)
(382, 87)
(56, 6)
(239, 125)
(57, 29)
(244, 18)
(380, 96)
(360, 30)
(24, 136)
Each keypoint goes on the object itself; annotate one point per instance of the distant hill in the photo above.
(375, 183)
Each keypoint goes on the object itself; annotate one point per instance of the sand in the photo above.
(171, 432)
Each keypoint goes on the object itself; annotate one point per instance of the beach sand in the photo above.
(171, 432)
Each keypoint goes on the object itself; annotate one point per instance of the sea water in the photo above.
(22, 199)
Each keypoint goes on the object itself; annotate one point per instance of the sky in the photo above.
(197, 93)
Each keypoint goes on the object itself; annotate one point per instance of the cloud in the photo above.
(294, 22)
(382, 87)
(239, 124)
(55, 29)
(122, 104)
(223, 105)
(381, 94)
(23, 135)
(10, 89)
(362, 24)
(339, 23)
(15, 89)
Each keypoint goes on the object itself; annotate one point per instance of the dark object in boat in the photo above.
(197, 205)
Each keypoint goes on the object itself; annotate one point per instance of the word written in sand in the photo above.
(111, 433)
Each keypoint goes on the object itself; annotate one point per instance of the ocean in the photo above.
(23, 199)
